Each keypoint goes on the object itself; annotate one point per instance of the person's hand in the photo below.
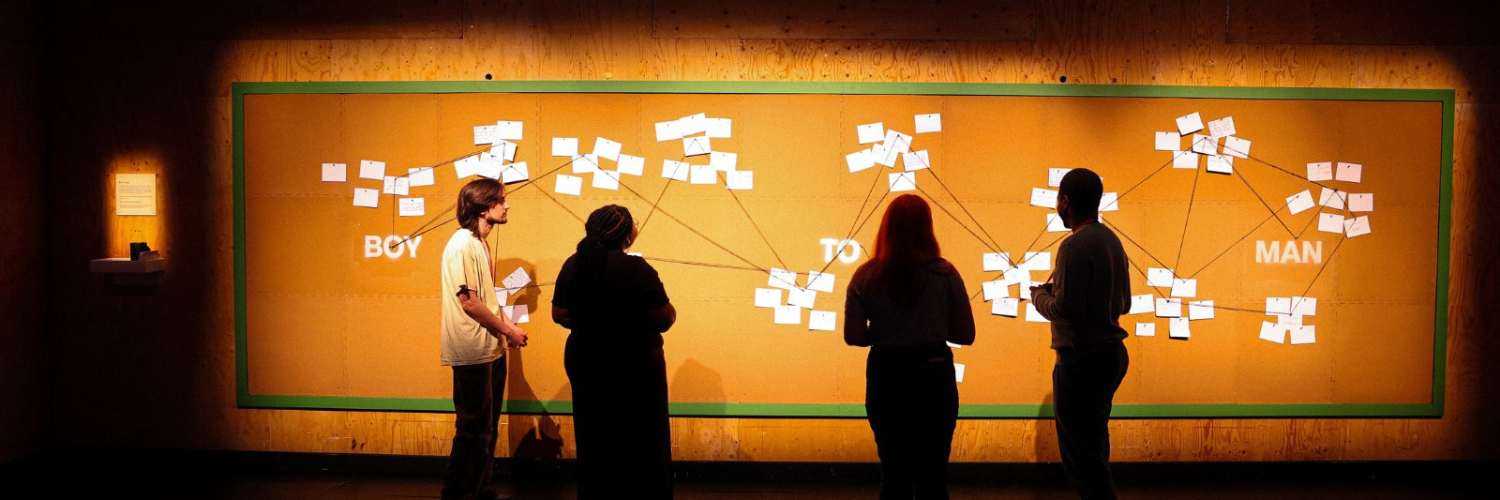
(1041, 288)
(517, 337)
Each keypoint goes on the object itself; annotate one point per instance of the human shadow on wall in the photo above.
(536, 438)
(699, 392)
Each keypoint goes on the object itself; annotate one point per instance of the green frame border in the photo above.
(1432, 409)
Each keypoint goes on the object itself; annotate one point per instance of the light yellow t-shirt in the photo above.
(466, 261)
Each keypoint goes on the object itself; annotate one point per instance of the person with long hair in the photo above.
(905, 304)
(617, 309)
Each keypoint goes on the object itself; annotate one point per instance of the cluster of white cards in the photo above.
(515, 281)
(788, 299)
(1017, 274)
(399, 186)
(1219, 157)
(1344, 209)
(592, 164)
(697, 132)
(1178, 307)
(887, 147)
(1288, 313)
(1047, 198)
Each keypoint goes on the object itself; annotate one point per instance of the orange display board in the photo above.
(333, 316)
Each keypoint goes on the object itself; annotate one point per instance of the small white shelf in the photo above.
(123, 265)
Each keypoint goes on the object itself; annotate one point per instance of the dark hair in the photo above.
(476, 197)
(905, 243)
(609, 229)
(1083, 189)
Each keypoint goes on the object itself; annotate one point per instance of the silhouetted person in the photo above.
(471, 338)
(1088, 291)
(905, 304)
(617, 310)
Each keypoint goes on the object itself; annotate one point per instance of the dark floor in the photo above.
(158, 474)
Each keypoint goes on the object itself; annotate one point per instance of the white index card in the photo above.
(606, 179)
(740, 180)
(519, 314)
(1204, 145)
(1186, 288)
(565, 146)
(703, 174)
(1109, 202)
(822, 321)
(364, 197)
(1200, 310)
(1304, 306)
(1055, 223)
(1168, 141)
(1357, 226)
(1168, 308)
(782, 278)
(1158, 277)
(669, 130)
(931, 122)
(1289, 321)
(372, 170)
(1188, 124)
(585, 164)
(1305, 334)
(896, 142)
(860, 160)
(508, 130)
(902, 181)
(801, 297)
(335, 172)
(1185, 160)
(504, 150)
(486, 134)
(1178, 328)
(631, 165)
(1055, 175)
(1037, 261)
(1043, 198)
(693, 124)
(718, 128)
(767, 297)
(1237, 147)
(1033, 315)
(1145, 329)
(466, 167)
(1141, 304)
(696, 146)
(788, 315)
(400, 186)
(516, 280)
(820, 281)
(515, 172)
(1300, 202)
(915, 160)
(1018, 275)
(1331, 223)
(996, 261)
(1220, 164)
(412, 207)
(1272, 332)
(1320, 171)
(502, 295)
(1362, 202)
(723, 162)
(997, 289)
(871, 132)
(488, 166)
(884, 156)
(1332, 198)
(1006, 306)
(958, 372)
(1278, 306)
(1348, 172)
(421, 176)
(1223, 127)
(674, 170)
(607, 149)
(569, 184)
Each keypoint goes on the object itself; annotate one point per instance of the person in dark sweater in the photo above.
(1088, 291)
(905, 304)
(617, 309)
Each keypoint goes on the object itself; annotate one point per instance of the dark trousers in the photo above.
(620, 421)
(478, 395)
(912, 401)
(1083, 390)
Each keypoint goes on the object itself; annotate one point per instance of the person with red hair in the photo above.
(905, 304)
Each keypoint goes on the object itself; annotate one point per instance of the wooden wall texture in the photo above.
(131, 88)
